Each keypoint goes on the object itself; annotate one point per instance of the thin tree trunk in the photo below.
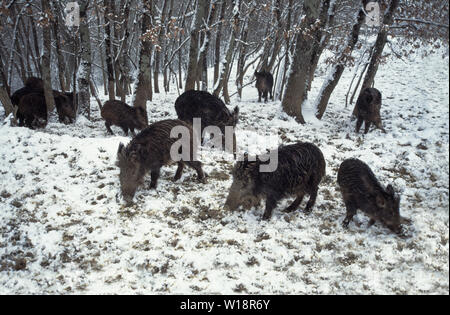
(59, 56)
(4, 94)
(287, 47)
(109, 51)
(84, 71)
(322, 38)
(380, 44)
(143, 84)
(161, 44)
(46, 56)
(203, 60)
(226, 64)
(339, 67)
(218, 41)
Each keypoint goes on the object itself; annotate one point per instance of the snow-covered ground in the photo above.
(62, 230)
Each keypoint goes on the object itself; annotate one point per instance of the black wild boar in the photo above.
(17, 95)
(361, 190)
(32, 111)
(368, 109)
(210, 109)
(264, 84)
(300, 169)
(126, 117)
(148, 152)
(65, 107)
(34, 83)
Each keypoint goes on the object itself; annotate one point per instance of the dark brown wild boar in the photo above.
(300, 169)
(34, 83)
(210, 109)
(65, 108)
(361, 190)
(264, 84)
(368, 109)
(32, 111)
(149, 151)
(126, 117)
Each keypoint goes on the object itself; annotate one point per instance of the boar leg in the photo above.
(198, 167)
(29, 121)
(108, 127)
(179, 172)
(312, 201)
(155, 176)
(367, 127)
(21, 119)
(266, 96)
(371, 223)
(359, 124)
(351, 212)
(294, 206)
(132, 132)
(125, 129)
(271, 203)
(260, 96)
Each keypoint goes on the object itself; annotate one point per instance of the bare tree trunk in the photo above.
(194, 47)
(59, 56)
(287, 48)
(297, 86)
(203, 60)
(322, 37)
(158, 50)
(144, 84)
(4, 95)
(102, 52)
(166, 78)
(218, 41)
(109, 51)
(84, 71)
(379, 45)
(226, 64)
(46, 56)
(338, 69)
(278, 37)
(124, 68)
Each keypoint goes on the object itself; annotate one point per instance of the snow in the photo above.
(65, 233)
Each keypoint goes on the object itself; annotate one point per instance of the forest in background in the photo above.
(142, 47)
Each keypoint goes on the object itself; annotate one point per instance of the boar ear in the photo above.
(390, 190)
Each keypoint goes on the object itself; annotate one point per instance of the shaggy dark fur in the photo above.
(264, 84)
(209, 108)
(126, 117)
(361, 190)
(368, 110)
(148, 152)
(34, 83)
(32, 111)
(300, 169)
(67, 112)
